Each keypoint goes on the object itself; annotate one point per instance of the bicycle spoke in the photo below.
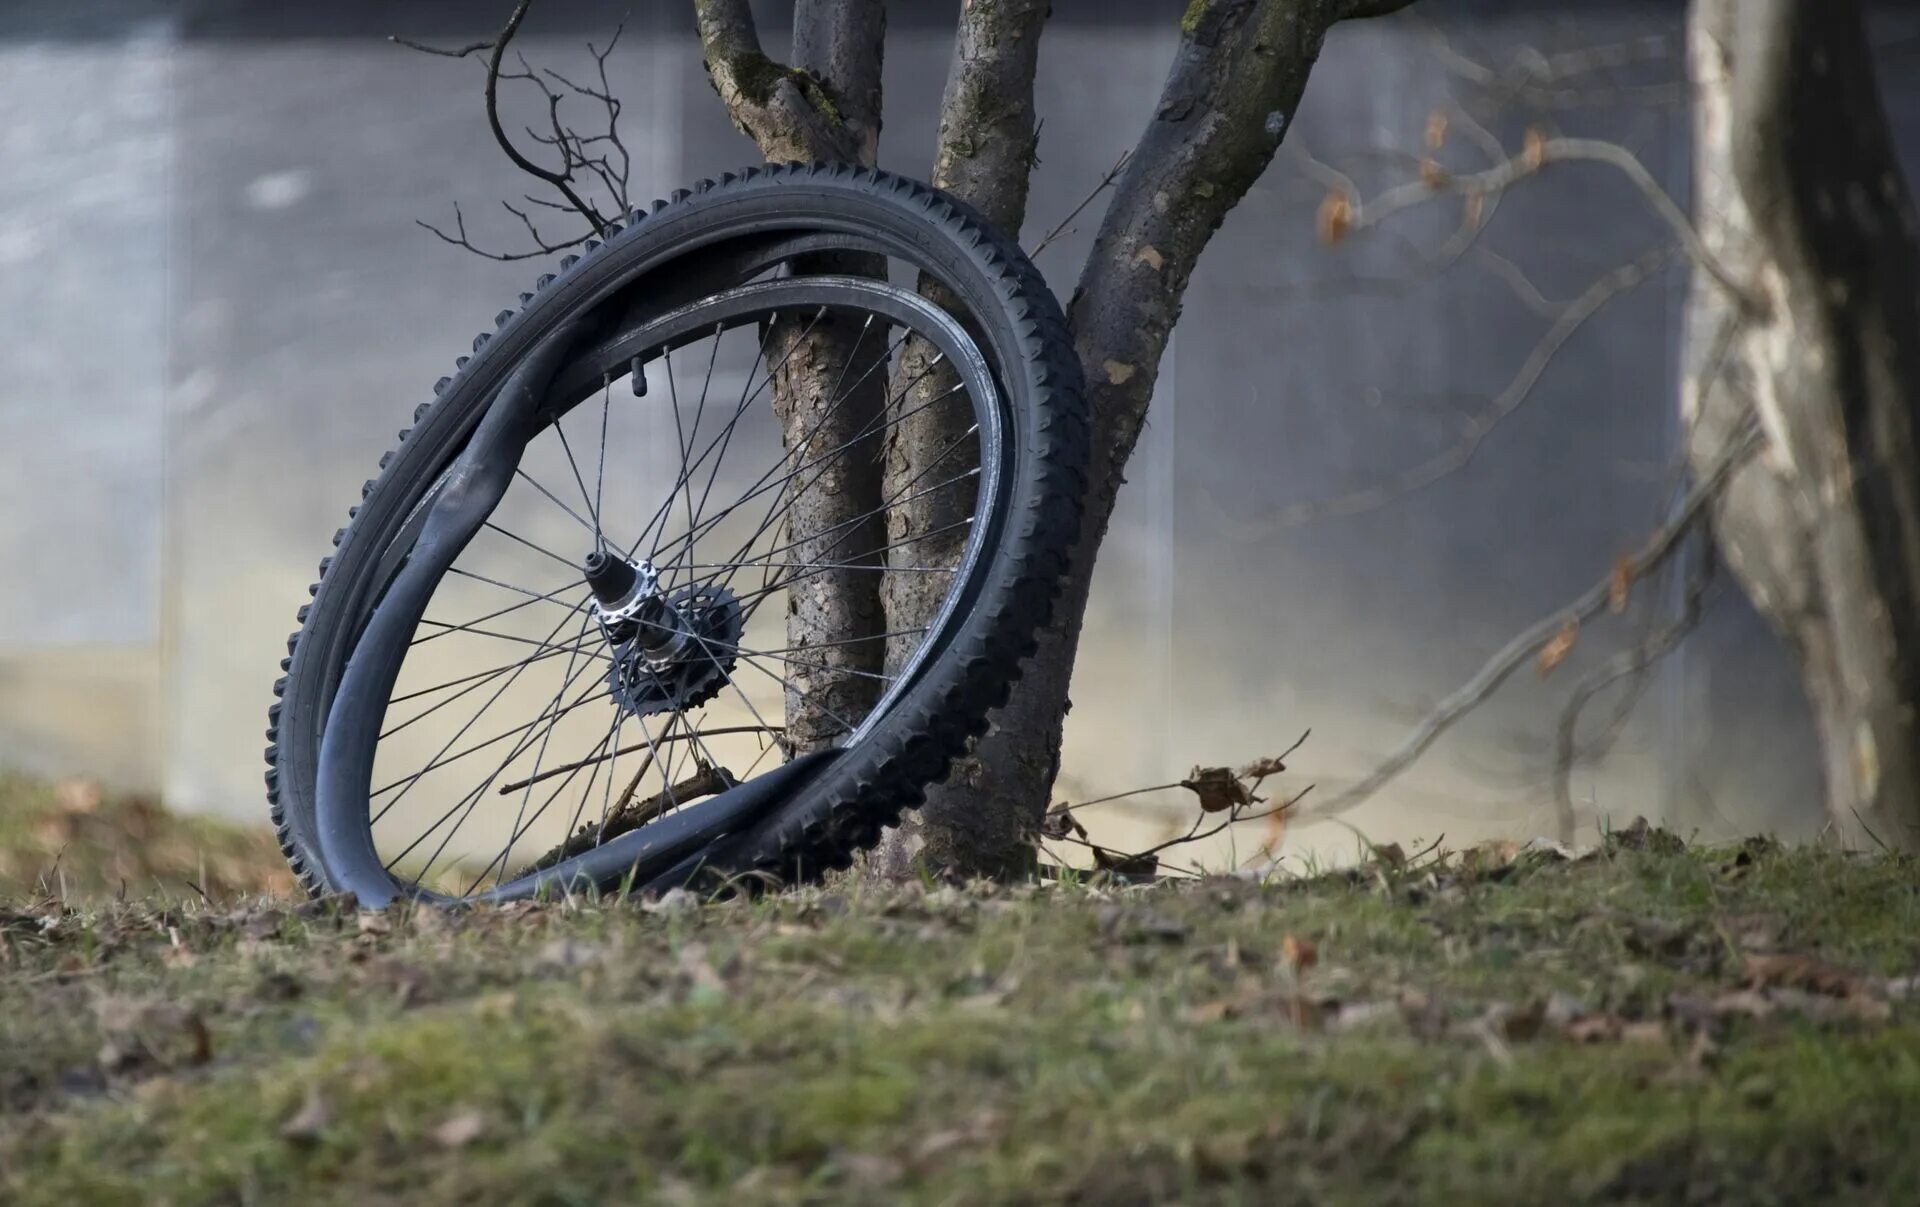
(529, 544)
(592, 529)
(485, 729)
(506, 855)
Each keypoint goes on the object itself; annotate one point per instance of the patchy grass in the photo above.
(1651, 1024)
(71, 841)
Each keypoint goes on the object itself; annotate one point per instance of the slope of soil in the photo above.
(1649, 1023)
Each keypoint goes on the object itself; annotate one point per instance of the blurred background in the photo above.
(219, 309)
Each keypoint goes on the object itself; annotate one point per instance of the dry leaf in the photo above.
(1515, 1024)
(1261, 768)
(1559, 646)
(373, 922)
(1594, 1028)
(460, 1130)
(1335, 218)
(1060, 822)
(1151, 257)
(1118, 372)
(310, 1121)
(1488, 856)
(1390, 855)
(1125, 865)
(1433, 175)
(138, 1031)
(1619, 584)
(1218, 789)
(1217, 1010)
(1436, 130)
(1789, 971)
(1300, 954)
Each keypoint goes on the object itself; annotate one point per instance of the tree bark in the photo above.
(826, 106)
(1798, 193)
(970, 824)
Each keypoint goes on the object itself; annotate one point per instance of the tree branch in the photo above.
(1540, 152)
(1457, 456)
(842, 44)
(786, 111)
(561, 180)
(1528, 642)
(600, 159)
(988, 132)
(1631, 662)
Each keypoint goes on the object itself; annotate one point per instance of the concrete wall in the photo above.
(219, 310)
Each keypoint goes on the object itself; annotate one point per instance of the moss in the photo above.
(818, 94)
(757, 76)
(1190, 20)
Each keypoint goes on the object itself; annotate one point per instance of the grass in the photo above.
(1653, 1023)
(72, 841)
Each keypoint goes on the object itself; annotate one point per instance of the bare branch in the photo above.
(1631, 662)
(1461, 453)
(608, 166)
(456, 53)
(1528, 642)
(1540, 152)
(988, 131)
(461, 240)
(1550, 80)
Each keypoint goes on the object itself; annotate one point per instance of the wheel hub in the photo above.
(671, 651)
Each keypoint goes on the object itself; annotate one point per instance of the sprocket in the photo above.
(712, 619)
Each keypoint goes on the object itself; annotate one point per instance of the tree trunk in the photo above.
(832, 674)
(1236, 81)
(1798, 193)
(974, 823)
(826, 105)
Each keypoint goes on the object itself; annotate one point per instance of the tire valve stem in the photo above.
(639, 379)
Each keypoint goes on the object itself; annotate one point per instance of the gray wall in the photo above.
(219, 310)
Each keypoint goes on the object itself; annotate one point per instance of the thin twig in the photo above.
(1460, 454)
(1106, 182)
(1540, 152)
(588, 160)
(638, 746)
(456, 53)
(1523, 647)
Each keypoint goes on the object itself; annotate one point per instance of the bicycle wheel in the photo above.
(591, 624)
